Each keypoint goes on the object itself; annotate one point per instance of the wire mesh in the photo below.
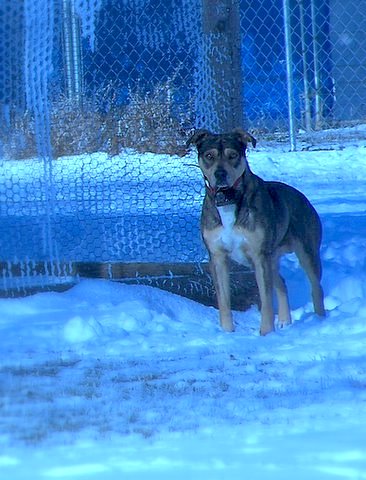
(88, 87)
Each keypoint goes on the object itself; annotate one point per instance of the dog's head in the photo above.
(221, 157)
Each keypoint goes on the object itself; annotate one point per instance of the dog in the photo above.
(254, 222)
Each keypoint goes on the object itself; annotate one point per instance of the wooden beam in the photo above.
(191, 280)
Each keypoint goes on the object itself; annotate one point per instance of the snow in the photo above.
(108, 381)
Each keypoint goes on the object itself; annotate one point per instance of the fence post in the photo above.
(317, 81)
(289, 72)
(304, 54)
(72, 52)
(221, 30)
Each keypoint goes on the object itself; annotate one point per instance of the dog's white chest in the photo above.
(231, 239)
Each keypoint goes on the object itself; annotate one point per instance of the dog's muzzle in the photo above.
(224, 195)
(221, 176)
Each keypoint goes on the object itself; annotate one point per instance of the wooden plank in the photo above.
(30, 268)
(191, 280)
(22, 278)
(25, 291)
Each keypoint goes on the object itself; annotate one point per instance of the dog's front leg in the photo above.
(264, 278)
(221, 279)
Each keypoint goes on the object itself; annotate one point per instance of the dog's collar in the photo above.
(224, 196)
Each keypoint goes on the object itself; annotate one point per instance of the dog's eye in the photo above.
(209, 157)
(233, 156)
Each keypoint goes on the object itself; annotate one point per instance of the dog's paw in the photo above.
(266, 329)
(283, 323)
(228, 327)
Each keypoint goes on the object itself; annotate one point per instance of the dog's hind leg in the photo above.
(310, 262)
(284, 314)
(264, 278)
(221, 279)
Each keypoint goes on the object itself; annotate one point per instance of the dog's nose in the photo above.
(221, 176)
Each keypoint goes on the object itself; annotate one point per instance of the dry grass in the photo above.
(149, 122)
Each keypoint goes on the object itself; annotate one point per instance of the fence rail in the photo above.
(84, 85)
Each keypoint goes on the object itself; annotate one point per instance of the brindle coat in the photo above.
(255, 221)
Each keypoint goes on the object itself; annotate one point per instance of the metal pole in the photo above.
(72, 52)
(289, 73)
(76, 47)
(318, 101)
(67, 48)
(307, 105)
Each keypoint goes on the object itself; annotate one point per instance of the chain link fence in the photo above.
(97, 98)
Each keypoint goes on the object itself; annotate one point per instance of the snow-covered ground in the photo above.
(109, 381)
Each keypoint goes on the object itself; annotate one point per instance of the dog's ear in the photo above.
(245, 137)
(197, 137)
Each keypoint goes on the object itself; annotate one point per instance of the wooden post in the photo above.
(222, 38)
